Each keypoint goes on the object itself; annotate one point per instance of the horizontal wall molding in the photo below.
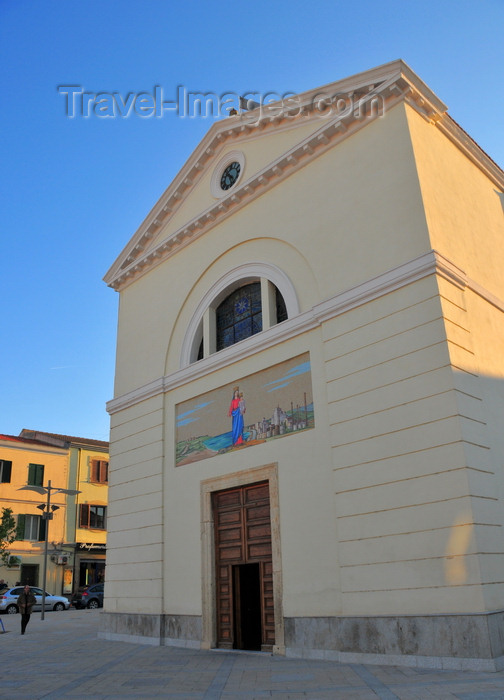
(431, 263)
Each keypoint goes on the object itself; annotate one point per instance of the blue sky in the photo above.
(73, 191)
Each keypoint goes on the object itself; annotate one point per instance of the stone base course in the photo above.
(461, 642)
(158, 630)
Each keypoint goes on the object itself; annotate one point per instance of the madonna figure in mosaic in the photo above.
(236, 411)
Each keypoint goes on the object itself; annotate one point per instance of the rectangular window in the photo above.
(35, 475)
(99, 471)
(31, 527)
(5, 471)
(93, 517)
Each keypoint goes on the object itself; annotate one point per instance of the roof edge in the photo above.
(395, 81)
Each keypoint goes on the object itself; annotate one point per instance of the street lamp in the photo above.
(47, 515)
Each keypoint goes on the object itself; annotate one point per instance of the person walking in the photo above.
(25, 602)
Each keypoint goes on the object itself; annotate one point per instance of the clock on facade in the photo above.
(230, 175)
(227, 173)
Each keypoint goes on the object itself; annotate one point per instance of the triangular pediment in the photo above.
(255, 150)
(270, 142)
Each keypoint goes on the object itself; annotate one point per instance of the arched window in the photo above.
(239, 316)
(240, 305)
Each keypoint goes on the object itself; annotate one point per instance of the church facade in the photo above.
(306, 430)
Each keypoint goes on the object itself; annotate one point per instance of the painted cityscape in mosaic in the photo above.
(268, 405)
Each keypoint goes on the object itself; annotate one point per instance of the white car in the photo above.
(9, 596)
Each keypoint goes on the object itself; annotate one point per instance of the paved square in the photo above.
(61, 657)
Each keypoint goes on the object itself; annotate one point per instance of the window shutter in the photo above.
(21, 526)
(42, 530)
(84, 515)
(98, 471)
(36, 474)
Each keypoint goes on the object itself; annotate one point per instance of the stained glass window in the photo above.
(239, 316)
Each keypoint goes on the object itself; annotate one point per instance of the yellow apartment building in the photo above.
(33, 462)
(86, 527)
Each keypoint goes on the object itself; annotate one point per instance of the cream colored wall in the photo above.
(417, 436)
(476, 340)
(399, 461)
(403, 504)
(134, 553)
(359, 202)
(304, 479)
(135, 512)
(263, 249)
(176, 291)
(258, 151)
(403, 386)
(464, 209)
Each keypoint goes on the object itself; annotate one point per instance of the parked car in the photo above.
(8, 600)
(90, 597)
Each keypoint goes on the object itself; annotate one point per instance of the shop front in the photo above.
(89, 564)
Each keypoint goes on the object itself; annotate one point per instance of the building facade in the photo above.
(32, 462)
(86, 530)
(77, 532)
(306, 428)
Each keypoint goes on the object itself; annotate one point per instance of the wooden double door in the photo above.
(244, 570)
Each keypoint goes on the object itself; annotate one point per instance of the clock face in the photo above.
(230, 175)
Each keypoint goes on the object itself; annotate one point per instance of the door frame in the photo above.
(209, 606)
(35, 568)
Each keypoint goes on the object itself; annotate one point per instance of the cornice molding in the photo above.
(386, 85)
(470, 148)
(25, 447)
(142, 259)
(425, 265)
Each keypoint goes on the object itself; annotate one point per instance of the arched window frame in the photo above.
(202, 325)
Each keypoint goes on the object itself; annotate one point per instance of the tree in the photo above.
(8, 533)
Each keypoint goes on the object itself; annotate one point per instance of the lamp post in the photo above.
(47, 515)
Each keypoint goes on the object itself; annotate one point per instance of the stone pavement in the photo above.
(61, 657)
